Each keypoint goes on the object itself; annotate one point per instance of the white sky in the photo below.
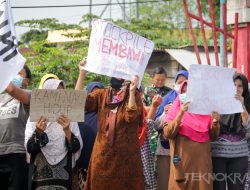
(68, 15)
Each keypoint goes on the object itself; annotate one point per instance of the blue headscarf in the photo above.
(88, 130)
(170, 96)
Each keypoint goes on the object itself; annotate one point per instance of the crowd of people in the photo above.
(132, 139)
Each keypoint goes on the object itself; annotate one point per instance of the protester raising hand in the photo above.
(134, 83)
(82, 63)
(81, 76)
(156, 101)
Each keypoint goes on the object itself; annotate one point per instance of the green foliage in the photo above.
(62, 61)
(46, 24)
(39, 28)
(34, 35)
(164, 23)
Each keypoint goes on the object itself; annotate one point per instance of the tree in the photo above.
(164, 23)
(39, 28)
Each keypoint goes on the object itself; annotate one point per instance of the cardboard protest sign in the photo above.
(11, 61)
(116, 52)
(212, 89)
(53, 103)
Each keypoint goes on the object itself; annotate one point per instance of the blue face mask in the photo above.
(183, 97)
(17, 81)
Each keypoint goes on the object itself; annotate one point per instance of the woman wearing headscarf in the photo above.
(88, 130)
(189, 137)
(54, 148)
(230, 151)
(46, 77)
(162, 150)
(145, 132)
(115, 162)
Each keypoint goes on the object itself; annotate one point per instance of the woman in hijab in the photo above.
(145, 132)
(46, 77)
(230, 151)
(115, 162)
(88, 130)
(54, 148)
(189, 137)
(162, 150)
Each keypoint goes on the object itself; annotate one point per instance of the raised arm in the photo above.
(156, 102)
(18, 94)
(134, 107)
(81, 76)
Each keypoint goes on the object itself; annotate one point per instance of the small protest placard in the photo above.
(212, 89)
(116, 52)
(53, 103)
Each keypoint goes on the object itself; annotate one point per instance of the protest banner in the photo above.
(11, 61)
(116, 52)
(211, 89)
(53, 103)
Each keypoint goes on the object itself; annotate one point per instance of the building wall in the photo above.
(163, 59)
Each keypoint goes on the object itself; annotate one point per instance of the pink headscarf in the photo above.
(194, 126)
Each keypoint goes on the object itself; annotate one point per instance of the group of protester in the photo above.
(138, 139)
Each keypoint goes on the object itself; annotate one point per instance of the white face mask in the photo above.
(177, 88)
(183, 97)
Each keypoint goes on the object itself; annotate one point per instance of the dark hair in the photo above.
(159, 70)
(246, 93)
(27, 71)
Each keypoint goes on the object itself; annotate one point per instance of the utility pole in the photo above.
(222, 52)
(124, 11)
(110, 10)
(137, 9)
(90, 13)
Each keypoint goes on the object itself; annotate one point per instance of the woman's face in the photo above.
(239, 86)
(159, 80)
(180, 79)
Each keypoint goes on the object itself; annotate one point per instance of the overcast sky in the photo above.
(67, 15)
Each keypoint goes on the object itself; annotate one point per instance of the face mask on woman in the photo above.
(17, 81)
(183, 97)
(116, 83)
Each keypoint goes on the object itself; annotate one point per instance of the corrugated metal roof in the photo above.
(187, 58)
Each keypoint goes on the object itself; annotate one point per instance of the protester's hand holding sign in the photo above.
(64, 121)
(184, 106)
(134, 84)
(240, 98)
(41, 124)
(81, 65)
(215, 117)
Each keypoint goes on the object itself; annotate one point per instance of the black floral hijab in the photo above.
(232, 123)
